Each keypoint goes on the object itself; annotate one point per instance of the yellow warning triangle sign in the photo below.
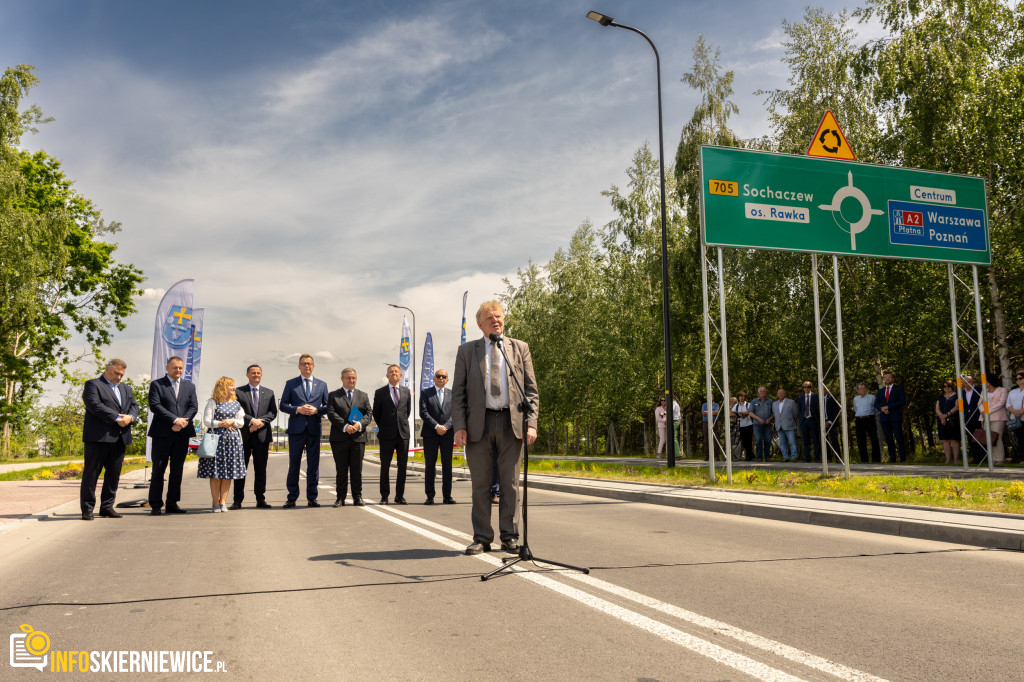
(829, 141)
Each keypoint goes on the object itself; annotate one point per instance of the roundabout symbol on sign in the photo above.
(866, 210)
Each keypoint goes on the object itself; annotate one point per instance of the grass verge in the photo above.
(69, 472)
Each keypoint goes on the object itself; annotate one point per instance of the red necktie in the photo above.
(887, 390)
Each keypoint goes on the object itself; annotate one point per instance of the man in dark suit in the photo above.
(438, 435)
(810, 416)
(487, 417)
(304, 398)
(890, 401)
(973, 419)
(348, 435)
(110, 409)
(391, 406)
(172, 406)
(260, 409)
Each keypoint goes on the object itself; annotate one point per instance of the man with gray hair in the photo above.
(864, 418)
(761, 413)
(487, 417)
(110, 409)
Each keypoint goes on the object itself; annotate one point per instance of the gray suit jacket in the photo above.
(469, 393)
(787, 415)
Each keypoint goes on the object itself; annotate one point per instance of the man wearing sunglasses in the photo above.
(438, 435)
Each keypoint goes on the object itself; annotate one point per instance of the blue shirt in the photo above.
(704, 407)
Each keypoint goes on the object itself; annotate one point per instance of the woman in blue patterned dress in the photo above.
(224, 415)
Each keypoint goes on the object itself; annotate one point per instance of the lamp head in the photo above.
(602, 19)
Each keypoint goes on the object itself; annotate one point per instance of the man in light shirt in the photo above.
(864, 419)
(761, 413)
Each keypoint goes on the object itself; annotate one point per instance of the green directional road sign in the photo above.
(761, 200)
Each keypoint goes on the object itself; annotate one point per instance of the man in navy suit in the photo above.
(110, 409)
(348, 435)
(260, 410)
(304, 398)
(890, 402)
(810, 416)
(974, 419)
(172, 406)
(437, 433)
(391, 406)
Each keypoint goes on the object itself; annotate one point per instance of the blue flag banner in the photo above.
(427, 363)
(464, 297)
(405, 353)
(195, 348)
(173, 333)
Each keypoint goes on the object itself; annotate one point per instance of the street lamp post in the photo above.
(412, 368)
(669, 404)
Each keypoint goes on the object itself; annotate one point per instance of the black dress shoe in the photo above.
(478, 548)
(289, 504)
(109, 513)
(340, 502)
(383, 500)
(156, 511)
(509, 546)
(400, 500)
(235, 505)
(263, 504)
(87, 516)
(449, 500)
(312, 503)
(176, 510)
(429, 500)
(358, 502)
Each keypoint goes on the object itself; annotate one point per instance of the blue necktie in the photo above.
(307, 389)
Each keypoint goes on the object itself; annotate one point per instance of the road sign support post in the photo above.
(725, 373)
(845, 433)
(978, 342)
(823, 451)
(710, 444)
(835, 360)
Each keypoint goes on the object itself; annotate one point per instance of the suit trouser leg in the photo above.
(387, 452)
(887, 429)
(402, 454)
(179, 450)
(160, 453)
(355, 467)
(430, 448)
(863, 424)
(260, 457)
(240, 482)
(312, 441)
(446, 446)
(110, 458)
(480, 459)
(339, 451)
(295, 443)
(510, 458)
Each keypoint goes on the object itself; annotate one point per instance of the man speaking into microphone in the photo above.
(487, 418)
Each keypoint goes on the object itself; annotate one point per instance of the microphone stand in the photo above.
(524, 549)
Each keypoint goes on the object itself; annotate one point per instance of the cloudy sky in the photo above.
(308, 162)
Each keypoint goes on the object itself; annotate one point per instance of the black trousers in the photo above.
(810, 434)
(894, 439)
(259, 453)
(432, 446)
(348, 462)
(866, 430)
(167, 451)
(389, 448)
(106, 456)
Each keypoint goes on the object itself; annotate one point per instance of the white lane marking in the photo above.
(703, 647)
(779, 649)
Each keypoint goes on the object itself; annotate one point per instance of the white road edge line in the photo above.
(779, 649)
(703, 647)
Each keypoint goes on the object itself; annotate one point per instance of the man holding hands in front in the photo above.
(110, 409)
(304, 399)
(487, 418)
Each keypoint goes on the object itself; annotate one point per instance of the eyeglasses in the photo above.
(440, 376)
(1020, 376)
(305, 364)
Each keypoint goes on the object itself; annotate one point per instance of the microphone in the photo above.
(495, 338)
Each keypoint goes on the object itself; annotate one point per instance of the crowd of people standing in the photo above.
(764, 425)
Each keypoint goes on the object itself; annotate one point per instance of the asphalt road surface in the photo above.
(385, 593)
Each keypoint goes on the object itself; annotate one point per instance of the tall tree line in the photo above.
(58, 274)
(943, 90)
